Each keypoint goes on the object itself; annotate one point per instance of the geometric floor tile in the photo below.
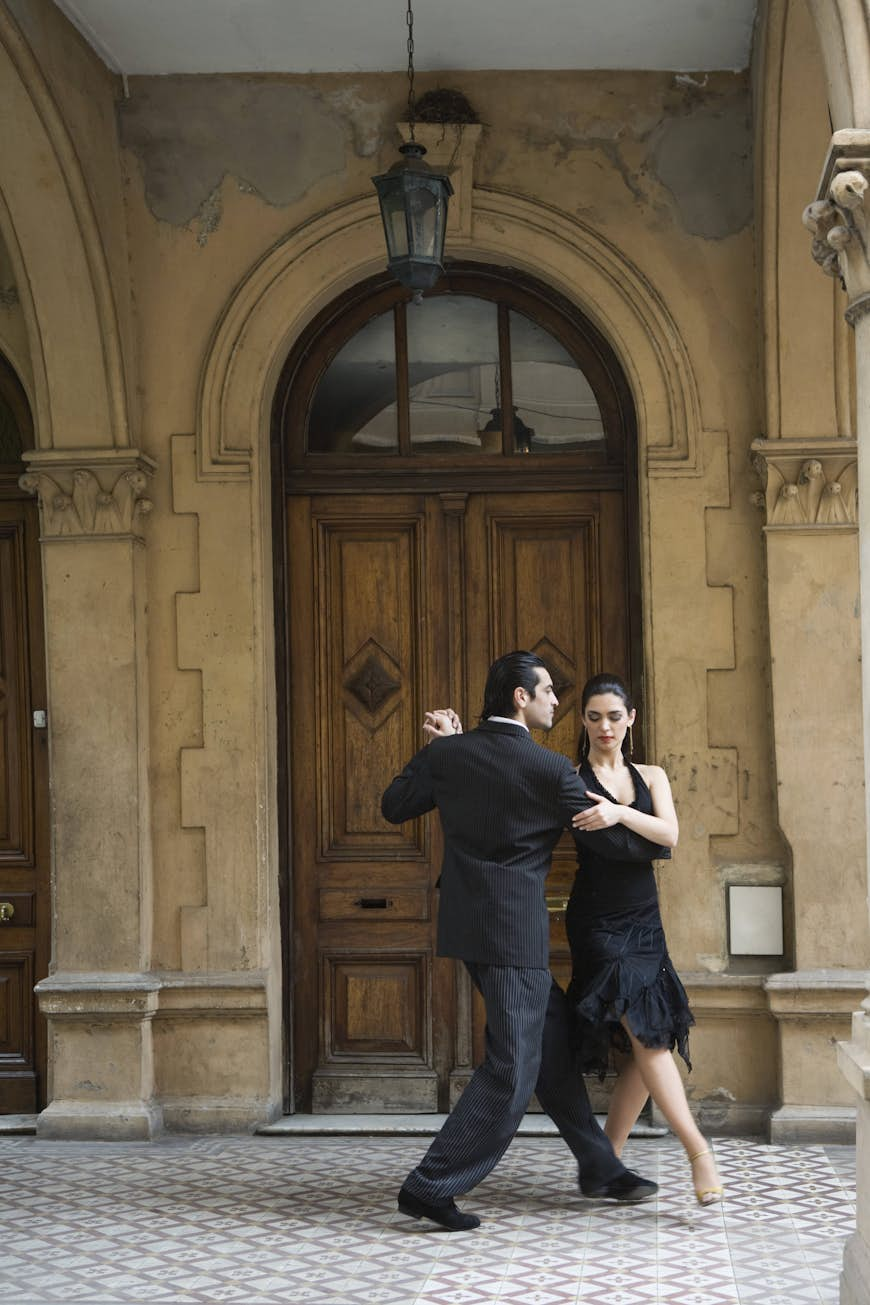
(313, 1221)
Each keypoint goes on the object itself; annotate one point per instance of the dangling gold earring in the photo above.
(584, 743)
(630, 743)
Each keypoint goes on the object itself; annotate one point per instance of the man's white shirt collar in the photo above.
(509, 720)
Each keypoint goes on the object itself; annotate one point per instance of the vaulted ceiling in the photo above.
(303, 36)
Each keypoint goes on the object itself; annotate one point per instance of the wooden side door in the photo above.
(371, 1007)
(24, 835)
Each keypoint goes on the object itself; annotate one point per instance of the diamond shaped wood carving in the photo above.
(372, 684)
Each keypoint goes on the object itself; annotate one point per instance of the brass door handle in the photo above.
(7, 910)
(557, 905)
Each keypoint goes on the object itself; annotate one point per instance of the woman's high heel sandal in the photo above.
(707, 1195)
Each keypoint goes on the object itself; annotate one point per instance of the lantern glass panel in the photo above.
(395, 224)
(422, 220)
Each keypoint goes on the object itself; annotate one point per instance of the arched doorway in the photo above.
(452, 479)
(24, 831)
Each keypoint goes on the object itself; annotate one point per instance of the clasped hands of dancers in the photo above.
(503, 801)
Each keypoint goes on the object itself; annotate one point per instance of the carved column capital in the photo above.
(839, 220)
(809, 485)
(86, 494)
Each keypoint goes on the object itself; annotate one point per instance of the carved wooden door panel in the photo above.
(371, 1008)
(24, 843)
(547, 572)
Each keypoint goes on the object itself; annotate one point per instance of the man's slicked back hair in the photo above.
(514, 670)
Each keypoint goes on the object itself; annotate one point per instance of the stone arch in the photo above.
(297, 278)
(79, 393)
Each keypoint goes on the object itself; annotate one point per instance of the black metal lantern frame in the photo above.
(413, 200)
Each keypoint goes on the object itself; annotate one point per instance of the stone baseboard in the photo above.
(803, 1125)
(104, 1121)
(218, 1114)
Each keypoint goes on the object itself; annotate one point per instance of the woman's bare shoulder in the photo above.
(652, 772)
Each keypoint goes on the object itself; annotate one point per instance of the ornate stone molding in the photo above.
(838, 218)
(808, 484)
(104, 497)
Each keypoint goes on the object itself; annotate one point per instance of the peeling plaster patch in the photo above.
(364, 119)
(209, 217)
(705, 160)
(276, 137)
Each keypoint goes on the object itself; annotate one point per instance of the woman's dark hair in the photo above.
(514, 670)
(604, 683)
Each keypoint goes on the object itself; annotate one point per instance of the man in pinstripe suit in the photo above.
(504, 801)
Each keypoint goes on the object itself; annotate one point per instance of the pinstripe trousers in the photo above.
(528, 1049)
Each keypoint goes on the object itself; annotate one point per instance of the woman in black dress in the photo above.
(624, 989)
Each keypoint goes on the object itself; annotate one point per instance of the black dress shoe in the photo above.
(446, 1215)
(628, 1188)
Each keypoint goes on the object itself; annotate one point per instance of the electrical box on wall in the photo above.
(755, 920)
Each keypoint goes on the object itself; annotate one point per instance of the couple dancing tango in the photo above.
(503, 801)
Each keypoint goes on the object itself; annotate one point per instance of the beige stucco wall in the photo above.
(229, 211)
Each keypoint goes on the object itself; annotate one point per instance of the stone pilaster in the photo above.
(810, 502)
(838, 221)
(99, 998)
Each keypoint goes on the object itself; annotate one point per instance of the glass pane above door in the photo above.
(555, 410)
(354, 405)
(453, 375)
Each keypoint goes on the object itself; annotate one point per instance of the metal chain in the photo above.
(409, 18)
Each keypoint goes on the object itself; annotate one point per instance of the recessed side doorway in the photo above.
(453, 480)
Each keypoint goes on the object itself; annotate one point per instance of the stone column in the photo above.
(99, 998)
(838, 220)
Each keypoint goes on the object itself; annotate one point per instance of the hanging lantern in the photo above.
(413, 200)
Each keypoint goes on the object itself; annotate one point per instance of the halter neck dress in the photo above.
(621, 965)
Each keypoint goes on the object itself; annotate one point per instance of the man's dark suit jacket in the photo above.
(504, 801)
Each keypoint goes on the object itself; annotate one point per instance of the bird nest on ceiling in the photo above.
(444, 106)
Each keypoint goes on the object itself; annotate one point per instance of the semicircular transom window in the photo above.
(483, 367)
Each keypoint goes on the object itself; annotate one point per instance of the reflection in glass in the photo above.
(354, 407)
(453, 375)
(552, 398)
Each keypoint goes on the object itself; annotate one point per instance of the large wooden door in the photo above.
(397, 603)
(24, 843)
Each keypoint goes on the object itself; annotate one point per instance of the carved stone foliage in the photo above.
(807, 489)
(79, 502)
(838, 219)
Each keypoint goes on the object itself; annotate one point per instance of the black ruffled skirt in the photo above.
(622, 968)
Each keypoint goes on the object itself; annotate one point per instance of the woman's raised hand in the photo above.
(441, 723)
(604, 814)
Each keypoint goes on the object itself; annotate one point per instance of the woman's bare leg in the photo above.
(627, 1100)
(661, 1078)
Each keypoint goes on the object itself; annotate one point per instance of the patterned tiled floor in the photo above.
(313, 1221)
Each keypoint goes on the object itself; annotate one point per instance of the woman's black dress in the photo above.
(620, 959)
